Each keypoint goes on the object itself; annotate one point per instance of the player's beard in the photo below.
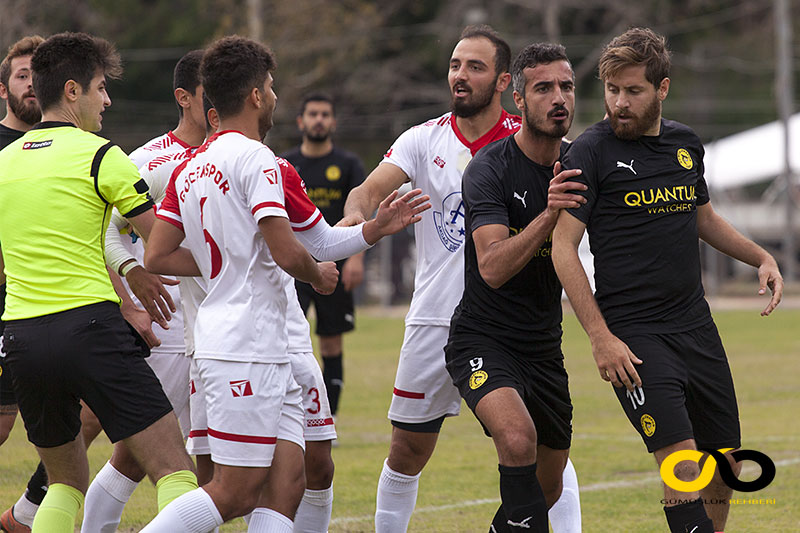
(640, 123)
(318, 136)
(27, 112)
(538, 127)
(475, 102)
(265, 122)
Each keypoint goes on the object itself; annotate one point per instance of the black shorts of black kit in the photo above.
(335, 311)
(7, 396)
(477, 368)
(687, 390)
(88, 353)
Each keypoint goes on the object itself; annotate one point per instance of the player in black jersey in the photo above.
(649, 324)
(504, 350)
(330, 174)
(22, 112)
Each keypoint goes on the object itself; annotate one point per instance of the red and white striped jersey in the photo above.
(434, 155)
(161, 145)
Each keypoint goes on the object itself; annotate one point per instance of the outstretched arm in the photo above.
(613, 357)
(717, 232)
(334, 243)
(292, 257)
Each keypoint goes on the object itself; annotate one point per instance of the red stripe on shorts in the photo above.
(252, 439)
(407, 394)
(198, 433)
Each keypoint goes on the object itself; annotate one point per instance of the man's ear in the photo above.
(182, 97)
(503, 81)
(663, 89)
(254, 97)
(72, 90)
(519, 100)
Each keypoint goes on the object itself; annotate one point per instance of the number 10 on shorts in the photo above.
(636, 396)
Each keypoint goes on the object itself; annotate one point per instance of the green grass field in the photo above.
(620, 490)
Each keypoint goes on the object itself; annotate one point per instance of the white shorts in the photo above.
(318, 419)
(240, 410)
(423, 390)
(172, 370)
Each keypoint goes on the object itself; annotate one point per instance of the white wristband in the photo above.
(128, 267)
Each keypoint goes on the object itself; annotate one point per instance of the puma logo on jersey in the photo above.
(620, 164)
(524, 524)
(439, 162)
(522, 198)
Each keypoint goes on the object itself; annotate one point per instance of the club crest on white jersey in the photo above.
(450, 221)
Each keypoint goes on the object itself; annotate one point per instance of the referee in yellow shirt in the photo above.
(65, 338)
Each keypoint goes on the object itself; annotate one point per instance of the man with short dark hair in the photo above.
(649, 324)
(504, 350)
(329, 173)
(433, 156)
(113, 485)
(65, 337)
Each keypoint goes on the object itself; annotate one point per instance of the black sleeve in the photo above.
(581, 155)
(483, 194)
(701, 188)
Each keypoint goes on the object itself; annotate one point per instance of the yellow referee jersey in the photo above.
(58, 185)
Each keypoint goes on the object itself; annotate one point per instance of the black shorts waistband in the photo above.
(106, 307)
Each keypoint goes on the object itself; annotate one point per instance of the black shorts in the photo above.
(335, 311)
(7, 396)
(87, 353)
(477, 370)
(687, 390)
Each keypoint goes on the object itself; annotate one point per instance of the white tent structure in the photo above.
(751, 156)
(754, 156)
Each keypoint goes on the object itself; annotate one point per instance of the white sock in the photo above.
(314, 513)
(397, 496)
(263, 520)
(193, 512)
(565, 514)
(25, 510)
(106, 498)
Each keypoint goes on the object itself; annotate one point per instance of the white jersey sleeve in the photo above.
(116, 252)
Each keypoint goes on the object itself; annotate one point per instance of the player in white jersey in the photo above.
(433, 156)
(324, 243)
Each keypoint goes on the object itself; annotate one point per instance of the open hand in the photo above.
(396, 213)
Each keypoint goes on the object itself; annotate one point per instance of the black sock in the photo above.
(523, 499)
(37, 486)
(332, 375)
(689, 518)
(499, 522)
